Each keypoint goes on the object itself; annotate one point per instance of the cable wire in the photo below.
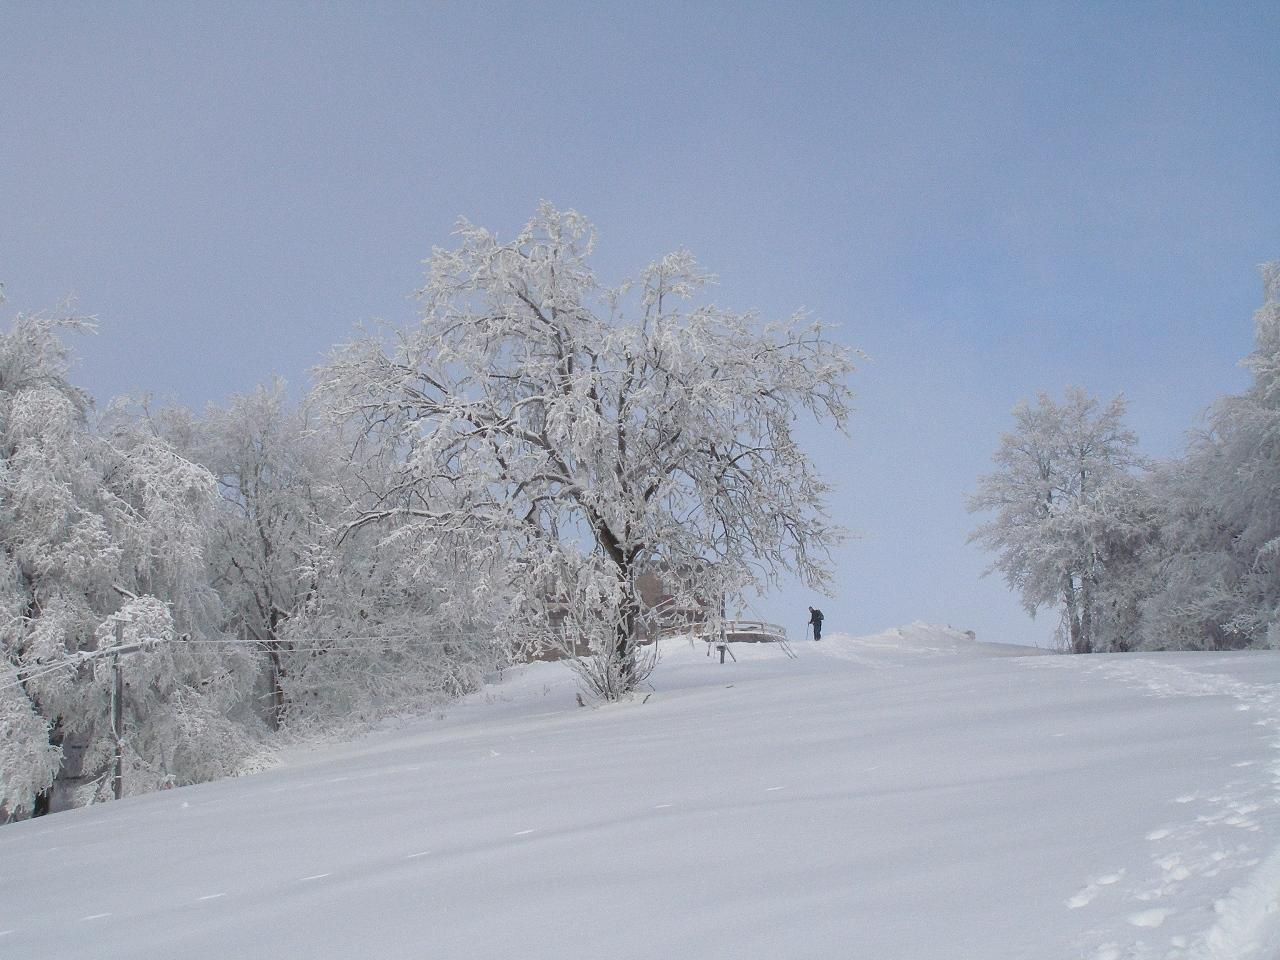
(331, 645)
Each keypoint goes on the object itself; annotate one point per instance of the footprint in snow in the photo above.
(1086, 895)
(1173, 868)
(1150, 918)
(1082, 899)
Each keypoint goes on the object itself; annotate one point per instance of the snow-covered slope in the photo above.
(907, 795)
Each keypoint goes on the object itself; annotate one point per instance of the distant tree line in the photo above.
(1135, 555)
(446, 498)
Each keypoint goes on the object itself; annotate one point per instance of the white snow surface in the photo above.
(912, 794)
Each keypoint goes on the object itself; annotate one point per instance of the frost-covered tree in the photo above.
(1216, 570)
(1126, 532)
(571, 437)
(1065, 506)
(347, 625)
(279, 498)
(97, 520)
(398, 621)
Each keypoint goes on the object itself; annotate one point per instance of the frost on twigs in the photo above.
(572, 437)
(1216, 566)
(28, 761)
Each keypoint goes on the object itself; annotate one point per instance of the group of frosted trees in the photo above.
(215, 539)
(492, 481)
(1183, 554)
(100, 516)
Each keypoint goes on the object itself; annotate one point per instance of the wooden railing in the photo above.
(753, 629)
(737, 631)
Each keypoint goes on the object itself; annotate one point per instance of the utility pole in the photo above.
(117, 711)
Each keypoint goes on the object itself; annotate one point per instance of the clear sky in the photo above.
(988, 199)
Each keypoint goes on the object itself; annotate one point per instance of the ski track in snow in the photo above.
(1246, 923)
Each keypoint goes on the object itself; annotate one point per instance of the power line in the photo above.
(400, 638)
(61, 665)
(330, 645)
(81, 657)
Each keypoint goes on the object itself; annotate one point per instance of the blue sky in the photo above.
(988, 199)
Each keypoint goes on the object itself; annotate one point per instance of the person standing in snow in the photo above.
(815, 621)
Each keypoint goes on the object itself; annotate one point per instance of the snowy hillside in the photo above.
(911, 794)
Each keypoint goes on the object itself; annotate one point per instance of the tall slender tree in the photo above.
(1061, 498)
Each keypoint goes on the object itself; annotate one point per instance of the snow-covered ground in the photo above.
(907, 795)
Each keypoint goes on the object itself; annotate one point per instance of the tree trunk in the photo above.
(625, 652)
(629, 614)
(277, 687)
(277, 669)
(1075, 633)
(1086, 617)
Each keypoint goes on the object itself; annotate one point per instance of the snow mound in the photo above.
(918, 640)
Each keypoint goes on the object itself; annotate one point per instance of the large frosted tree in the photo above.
(1065, 505)
(570, 437)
